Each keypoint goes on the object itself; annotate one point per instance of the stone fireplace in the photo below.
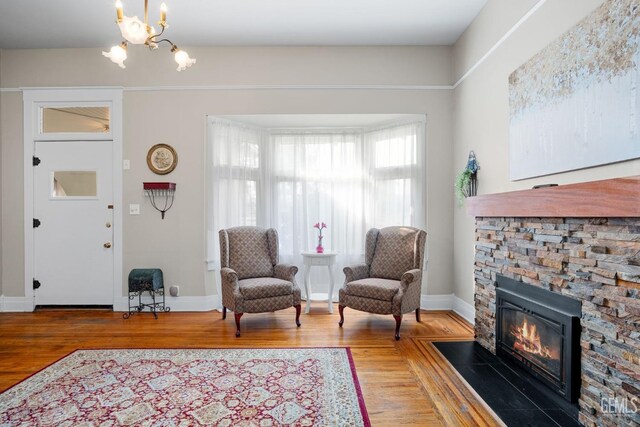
(581, 242)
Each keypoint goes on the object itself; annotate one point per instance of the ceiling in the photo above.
(26, 24)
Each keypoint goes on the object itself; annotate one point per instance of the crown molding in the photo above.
(497, 44)
(240, 87)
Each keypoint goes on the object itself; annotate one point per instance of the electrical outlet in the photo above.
(174, 291)
(134, 209)
(126, 165)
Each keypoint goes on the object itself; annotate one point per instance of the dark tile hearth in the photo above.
(517, 400)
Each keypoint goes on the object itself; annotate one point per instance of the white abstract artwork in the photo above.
(576, 104)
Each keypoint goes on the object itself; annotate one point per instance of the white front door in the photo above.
(73, 200)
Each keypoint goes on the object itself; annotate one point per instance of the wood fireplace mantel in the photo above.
(610, 198)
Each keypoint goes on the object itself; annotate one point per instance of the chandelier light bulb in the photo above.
(163, 12)
(183, 60)
(119, 11)
(117, 54)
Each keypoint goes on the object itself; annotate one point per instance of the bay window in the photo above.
(289, 179)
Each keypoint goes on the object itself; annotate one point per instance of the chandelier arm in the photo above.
(160, 33)
(152, 39)
(164, 40)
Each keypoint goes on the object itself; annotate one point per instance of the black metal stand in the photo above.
(154, 306)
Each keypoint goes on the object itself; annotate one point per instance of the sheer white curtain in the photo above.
(397, 162)
(319, 176)
(351, 179)
(237, 182)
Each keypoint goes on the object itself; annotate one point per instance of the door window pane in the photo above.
(75, 120)
(74, 184)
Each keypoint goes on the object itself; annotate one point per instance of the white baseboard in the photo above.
(436, 302)
(449, 302)
(212, 302)
(464, 309)
(204, 303)
(15, 304)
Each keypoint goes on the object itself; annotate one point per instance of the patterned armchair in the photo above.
(391, 280)
(252, 279)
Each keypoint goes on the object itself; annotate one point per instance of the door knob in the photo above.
(108, 225)
(107, 245)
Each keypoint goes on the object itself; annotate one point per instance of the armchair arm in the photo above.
(411, 276)
(285, 272)
(356, 272)
(408, 297)
(229, 277)
(231, 296)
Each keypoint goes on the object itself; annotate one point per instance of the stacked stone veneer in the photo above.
(595, 260)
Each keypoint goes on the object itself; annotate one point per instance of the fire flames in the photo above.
(528, 339)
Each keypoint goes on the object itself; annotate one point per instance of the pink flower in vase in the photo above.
(320, 226)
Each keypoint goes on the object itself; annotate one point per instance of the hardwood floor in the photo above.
(404, 382)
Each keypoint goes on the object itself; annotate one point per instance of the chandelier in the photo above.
(135, 31)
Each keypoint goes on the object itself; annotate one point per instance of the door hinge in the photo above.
(36, 284)
(36, 161)
(36, 223)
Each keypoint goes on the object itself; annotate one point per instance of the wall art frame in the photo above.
(162, 159)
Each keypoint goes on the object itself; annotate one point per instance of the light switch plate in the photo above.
(134, 209)
(126, 165)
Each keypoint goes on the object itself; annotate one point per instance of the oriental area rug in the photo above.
(190, 387)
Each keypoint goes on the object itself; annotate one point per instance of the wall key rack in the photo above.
(161, 195)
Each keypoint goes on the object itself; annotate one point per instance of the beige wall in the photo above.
(12, 189)
(481, 109)
(1, 178)
(411, 65)
(177, 244)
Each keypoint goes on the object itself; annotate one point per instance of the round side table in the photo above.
(311, 259)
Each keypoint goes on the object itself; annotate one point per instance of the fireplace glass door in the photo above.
(538, 331)
(536, 340)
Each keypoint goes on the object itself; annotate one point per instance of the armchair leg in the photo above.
(417, 315)
(398, 322)
(298, 309)
(238, 316)
(341, 310)
(224, 312)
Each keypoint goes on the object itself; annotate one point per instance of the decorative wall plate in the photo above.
(162, 159)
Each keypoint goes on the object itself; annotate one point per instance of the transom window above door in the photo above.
(73, 121)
